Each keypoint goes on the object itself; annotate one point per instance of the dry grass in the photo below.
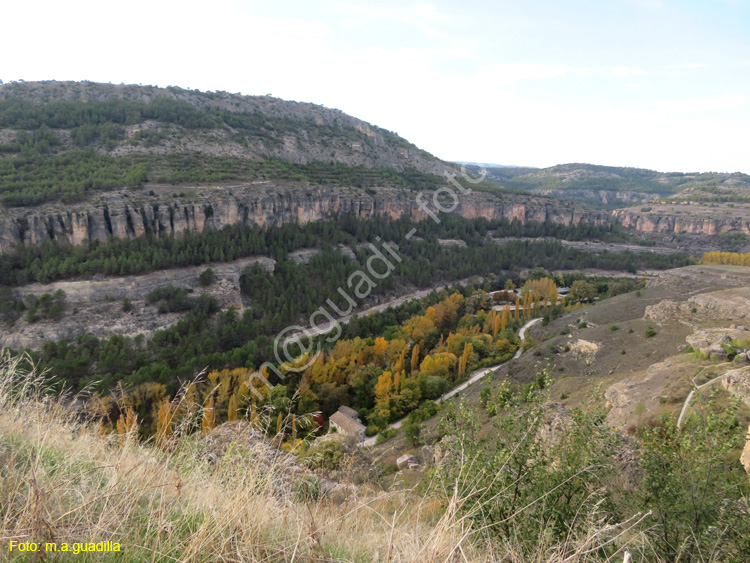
(61, 480)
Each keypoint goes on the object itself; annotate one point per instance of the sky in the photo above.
(660, 84)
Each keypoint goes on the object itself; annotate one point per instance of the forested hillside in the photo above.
(59, 140)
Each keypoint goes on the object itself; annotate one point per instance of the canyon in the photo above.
(121, 216)
(217, 207)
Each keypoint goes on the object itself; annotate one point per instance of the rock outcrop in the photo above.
(656, 223)
(266, 206)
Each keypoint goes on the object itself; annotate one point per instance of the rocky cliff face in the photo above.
(271, 206)
(603, 197)
(655, 223)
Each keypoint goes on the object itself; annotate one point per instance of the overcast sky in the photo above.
(662, 84)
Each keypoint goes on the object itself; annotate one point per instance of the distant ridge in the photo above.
(489, 165)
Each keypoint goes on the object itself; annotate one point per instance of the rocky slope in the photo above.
(202, 122)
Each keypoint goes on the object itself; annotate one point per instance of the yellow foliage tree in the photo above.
(729, 258)
(544, 288)
(414, 358)
(254, 417)
(127, 425)
(164, 423)
(208, 422)
(379, 350)
(232, 408)
(383, 388)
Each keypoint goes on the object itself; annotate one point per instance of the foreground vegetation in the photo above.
(63, 481)
(580, 493)
(544, 476)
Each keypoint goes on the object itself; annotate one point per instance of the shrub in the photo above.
(206, 277)
(650, 332)
(326, 455)
(46, 306)
(413, 432)
(386, 434)
(308, 489)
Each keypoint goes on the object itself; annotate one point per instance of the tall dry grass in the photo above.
(62, 480)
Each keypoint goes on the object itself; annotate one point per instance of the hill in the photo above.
(59, 140)
(612, 186)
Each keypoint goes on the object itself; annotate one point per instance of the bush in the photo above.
(386, 434)
(650, 332)
(127, 306)
(308, 489)
(326, 455)
(413, 432)
(171, 299)
(47, 306)
(207, 277)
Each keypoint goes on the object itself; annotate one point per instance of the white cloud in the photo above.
(622, 71)
(422, 16)
(687, 66)
(651, 5)
(512, 73)
(709, 104)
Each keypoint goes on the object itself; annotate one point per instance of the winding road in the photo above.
(475, 376)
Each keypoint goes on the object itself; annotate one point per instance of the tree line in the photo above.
(53, 261)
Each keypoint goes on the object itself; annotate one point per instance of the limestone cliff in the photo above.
(663, 223)
(271, 205)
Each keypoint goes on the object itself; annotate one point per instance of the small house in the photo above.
(346, 421)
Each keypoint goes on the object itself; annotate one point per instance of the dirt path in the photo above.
(476, 376)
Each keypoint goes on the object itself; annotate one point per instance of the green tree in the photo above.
(413, 432)
(695, 486)
(581, 292)
(206, 277)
